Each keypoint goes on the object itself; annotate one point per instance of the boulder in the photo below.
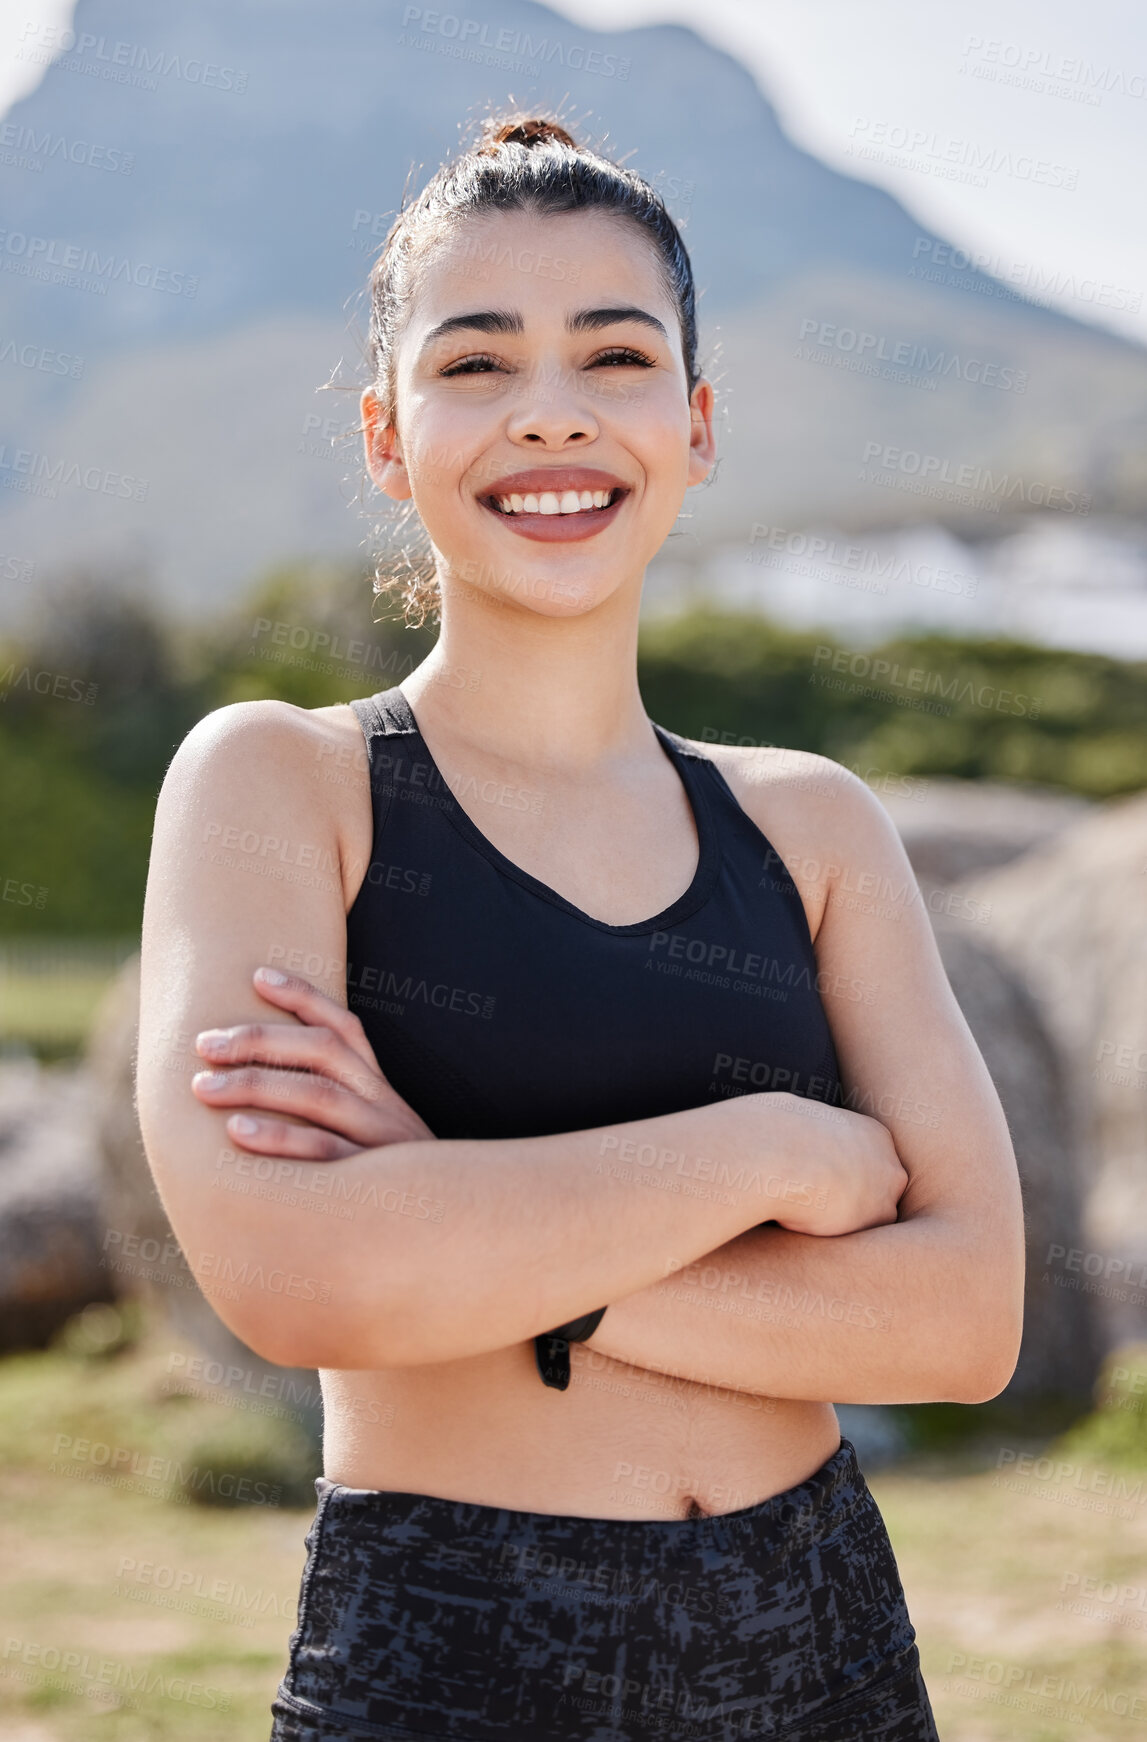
(964, 838)
(952, 829)
(140, 1248)
(1061, 1347)
(50, 1222)
(1071, 919)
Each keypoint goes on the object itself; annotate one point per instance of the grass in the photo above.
(50, 992)
(122, 1601)
(120, 1596)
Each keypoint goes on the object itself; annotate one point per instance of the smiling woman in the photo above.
(554, 925)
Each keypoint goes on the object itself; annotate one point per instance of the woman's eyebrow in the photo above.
(589, 320)
(492, 320)
(585, 320)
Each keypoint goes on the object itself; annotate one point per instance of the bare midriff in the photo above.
(620, 1442)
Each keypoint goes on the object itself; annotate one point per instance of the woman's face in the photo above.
(544, 425)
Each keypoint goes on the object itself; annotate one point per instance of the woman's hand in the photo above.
(321, 1079)
(841, 1170)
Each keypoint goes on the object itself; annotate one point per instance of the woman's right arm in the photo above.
(418, 1251)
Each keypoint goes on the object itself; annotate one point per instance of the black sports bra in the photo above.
(498, 1009)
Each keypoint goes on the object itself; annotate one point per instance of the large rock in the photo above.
(50, 1222)
(139, 1247)
(1071, 917)
(958, 835)
(1061, 1346)
(952, 829)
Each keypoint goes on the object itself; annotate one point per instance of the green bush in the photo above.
(83, 774)
(1115, 1433)
(254, 1460)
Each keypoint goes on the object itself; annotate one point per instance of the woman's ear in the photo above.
(384, 459)
(702, 442)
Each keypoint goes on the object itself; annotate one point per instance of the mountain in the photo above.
(192, 198)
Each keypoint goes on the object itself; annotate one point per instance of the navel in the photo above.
(693, 1509)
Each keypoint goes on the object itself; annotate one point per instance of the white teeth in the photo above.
(549, 502)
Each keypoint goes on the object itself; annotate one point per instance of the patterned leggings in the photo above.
(428, 1620)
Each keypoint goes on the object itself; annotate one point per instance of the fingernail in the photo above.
(271, 975)
(209, 1080)
(244, 1124)
(212, 1040)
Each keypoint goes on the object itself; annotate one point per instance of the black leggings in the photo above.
(450, 1622)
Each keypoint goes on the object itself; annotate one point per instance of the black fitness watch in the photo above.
(552, 1349)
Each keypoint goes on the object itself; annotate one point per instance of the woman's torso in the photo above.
(499, 1008)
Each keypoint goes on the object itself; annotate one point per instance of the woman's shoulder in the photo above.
(275, 737)
(792, 781)
(823, 821)
(285, 786)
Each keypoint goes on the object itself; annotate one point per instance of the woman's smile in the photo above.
(556, 503)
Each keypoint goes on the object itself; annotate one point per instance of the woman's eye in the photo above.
(471, 366)
(622, 355)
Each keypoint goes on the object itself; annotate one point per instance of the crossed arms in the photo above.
(891, 1272)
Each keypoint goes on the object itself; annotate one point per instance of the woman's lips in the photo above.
(558, 528)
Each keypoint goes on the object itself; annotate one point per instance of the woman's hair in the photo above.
(520, 163)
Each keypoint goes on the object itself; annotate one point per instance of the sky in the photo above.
(1015, 128)
(1043, 102)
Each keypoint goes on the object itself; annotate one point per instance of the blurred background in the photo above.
(924, 554)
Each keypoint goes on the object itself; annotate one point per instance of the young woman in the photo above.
(632, 1021)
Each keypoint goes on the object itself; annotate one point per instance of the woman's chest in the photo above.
(498, 1013)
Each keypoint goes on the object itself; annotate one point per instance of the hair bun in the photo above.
(524, 130)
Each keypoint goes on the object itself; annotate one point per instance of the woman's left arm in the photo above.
(928, 1308)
